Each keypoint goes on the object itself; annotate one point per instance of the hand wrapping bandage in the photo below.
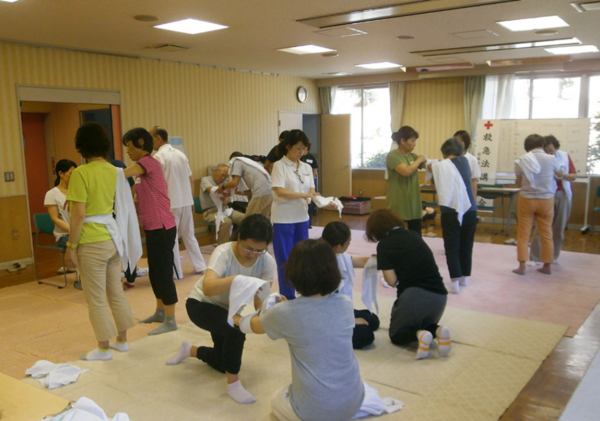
(243, 289)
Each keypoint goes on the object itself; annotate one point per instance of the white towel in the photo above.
(56, 375)
(530, 166)
(254, 164)
(450, 187)
(321, 202)
(429, 174)
(86, 409)
(271, 300)
(563, 161)
(374, 405)
(243, 289)
(221, 214)
(369, 286)
(347, 271)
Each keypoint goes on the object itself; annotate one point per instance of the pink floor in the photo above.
(565, 297)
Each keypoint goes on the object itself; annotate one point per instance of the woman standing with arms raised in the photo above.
(404, 193)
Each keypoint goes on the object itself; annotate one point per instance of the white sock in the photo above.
(97, 355)
(239, 394)
(182, 354)
(454, 287)
(444, 341)
(463, 281)
(425, 337)
(119, 346)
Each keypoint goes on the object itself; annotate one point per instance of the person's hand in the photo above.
(280, 298)
(331, 206)
(421, 159)
(236, 319)
(71, 258)
(226, 193)
(310, 195)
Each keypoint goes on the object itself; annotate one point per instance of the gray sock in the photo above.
(168, 326)
(158, 316)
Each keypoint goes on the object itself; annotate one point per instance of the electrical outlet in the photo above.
(9, 176)
(360, 192)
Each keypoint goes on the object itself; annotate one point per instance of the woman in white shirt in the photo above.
(55, 202)
(293, 187)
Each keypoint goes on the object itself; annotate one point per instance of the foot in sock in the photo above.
(463, 281)
(519, 271)
(182, 354)
(120, 346)
(545, 270)
(239, 394)
(444, 341)
(168, 326)
(454, 287)
(425, 339)
(158, 317)
(97, 355)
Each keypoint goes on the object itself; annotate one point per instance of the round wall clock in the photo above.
(301, 94)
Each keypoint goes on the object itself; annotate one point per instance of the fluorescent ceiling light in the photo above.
(191, 26)
(306, 49)
(10, 1)
(337, 74)
(586, 6)
(497, 47)
(573, 50)
(534, 24)
(382, 65)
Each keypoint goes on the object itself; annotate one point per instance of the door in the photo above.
(336, 172)
(35, 161)
(289, 121)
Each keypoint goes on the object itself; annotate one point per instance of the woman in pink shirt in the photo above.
(154, 210)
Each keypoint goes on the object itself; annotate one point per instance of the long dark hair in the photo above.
(63, 166)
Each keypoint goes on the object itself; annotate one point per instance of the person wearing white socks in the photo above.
(208, 303)
(326, 383)
(408, 264)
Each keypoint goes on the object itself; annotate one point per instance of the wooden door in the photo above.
(336, 170)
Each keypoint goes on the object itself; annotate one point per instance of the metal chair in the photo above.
(44, 224)
(596, 209)
(492, 208)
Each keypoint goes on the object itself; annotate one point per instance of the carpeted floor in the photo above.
(492, 359)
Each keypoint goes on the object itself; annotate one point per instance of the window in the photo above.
(546, 97)
(370, 123)
(594, 114)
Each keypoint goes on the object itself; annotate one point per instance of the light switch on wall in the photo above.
(9, 176)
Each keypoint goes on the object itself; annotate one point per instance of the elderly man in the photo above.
(180, 188)
(219, 177)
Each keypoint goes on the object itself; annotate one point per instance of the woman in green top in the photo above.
(404, 193)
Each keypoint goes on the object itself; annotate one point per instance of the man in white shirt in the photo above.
(180, 186)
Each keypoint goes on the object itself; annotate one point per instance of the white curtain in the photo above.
(474, 93)
(396, 104)
(499, 97)
(327, 96)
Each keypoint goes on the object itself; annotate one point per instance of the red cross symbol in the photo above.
(488, 125)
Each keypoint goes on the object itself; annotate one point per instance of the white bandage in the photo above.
(245, 323)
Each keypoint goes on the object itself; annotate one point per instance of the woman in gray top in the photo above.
(317, 326)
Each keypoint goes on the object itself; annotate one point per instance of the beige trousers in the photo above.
(260, 205)
(225, 228)
(542, 211)
(100, 270)
(282, 405)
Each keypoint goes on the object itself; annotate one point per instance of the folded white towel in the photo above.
(530, 166)
(369, 286)
(450, 187)
(374, 405)
(86, 409)
(56, 375)
(243, 289)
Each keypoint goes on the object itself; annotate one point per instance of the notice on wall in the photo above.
(486, 150)
(177, 143)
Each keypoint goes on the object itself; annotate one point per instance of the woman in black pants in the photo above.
(208, 303)
(408, 264)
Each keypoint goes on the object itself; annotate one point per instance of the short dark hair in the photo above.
(533, 141)
(135, 135)
(63, 166)
(294, 136)
(161, 132)
(551, 140)
(380, 223)
(452, 146)
(404, 133)
(235, 154)
(256, 227)
(284, 134)
(312, 268)
(336, 233)
(92, 141)
(465, 137)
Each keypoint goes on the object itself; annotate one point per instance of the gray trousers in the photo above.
(562, 212)
(416, 309)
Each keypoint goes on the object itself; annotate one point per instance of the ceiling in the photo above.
(257, 28)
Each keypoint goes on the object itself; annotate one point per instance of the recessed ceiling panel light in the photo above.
(533, 24)
(191, 26)
(10, 1)
(381, 65)
(581, 49)
(586, 6)
(306, 49)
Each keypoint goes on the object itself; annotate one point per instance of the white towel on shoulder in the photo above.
(254, 164)
(243, 289)
(369, 286)
(530, 166)
(450, 187)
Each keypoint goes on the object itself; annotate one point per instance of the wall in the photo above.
(216, 111)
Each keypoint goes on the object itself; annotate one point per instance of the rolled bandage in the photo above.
(245, 323)
(270, 302)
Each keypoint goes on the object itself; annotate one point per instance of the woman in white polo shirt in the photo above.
(293, 186)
